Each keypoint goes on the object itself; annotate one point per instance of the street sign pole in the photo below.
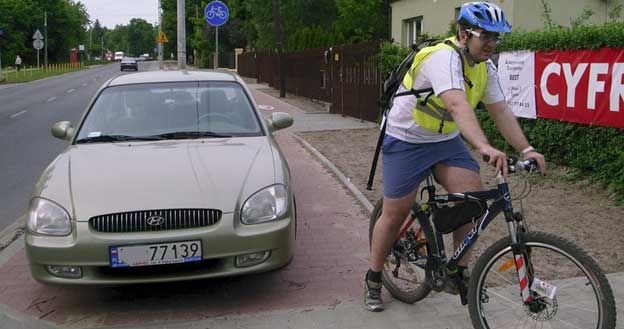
(181, 35)
(216, 58)
(160, 45)
(216, 14)
(45, 31)
(38, 44)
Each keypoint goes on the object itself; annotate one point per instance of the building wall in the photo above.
(529, 12)
(437, 15)
(521, 14)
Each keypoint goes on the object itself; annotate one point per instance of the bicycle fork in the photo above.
(523, 264)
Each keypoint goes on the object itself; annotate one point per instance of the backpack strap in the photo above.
(461, 58)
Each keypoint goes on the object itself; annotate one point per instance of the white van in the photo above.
(119, 55)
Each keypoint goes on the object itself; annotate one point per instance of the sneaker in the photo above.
(372, 296)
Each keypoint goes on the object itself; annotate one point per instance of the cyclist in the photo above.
(422, 134)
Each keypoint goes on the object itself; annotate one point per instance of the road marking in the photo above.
(17, 114)
(51, 99)
(84, 84)
(71, 91)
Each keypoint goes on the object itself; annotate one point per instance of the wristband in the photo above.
(527, 150)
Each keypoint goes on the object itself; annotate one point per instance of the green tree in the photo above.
(141, 37)
(67, 26)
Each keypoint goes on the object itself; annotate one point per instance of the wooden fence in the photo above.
(347, 76)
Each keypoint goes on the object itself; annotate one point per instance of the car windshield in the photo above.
(180, 110)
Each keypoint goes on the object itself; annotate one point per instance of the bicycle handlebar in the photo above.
(514, 164)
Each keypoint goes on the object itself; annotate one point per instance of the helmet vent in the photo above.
(489, 15)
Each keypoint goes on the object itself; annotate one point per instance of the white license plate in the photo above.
(156, 254)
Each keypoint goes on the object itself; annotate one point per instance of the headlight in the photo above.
(265, 205)
(47, 217)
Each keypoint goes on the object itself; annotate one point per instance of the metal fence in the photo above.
(347, 76)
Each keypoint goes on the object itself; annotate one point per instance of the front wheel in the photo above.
(403, 273)
(566, 287)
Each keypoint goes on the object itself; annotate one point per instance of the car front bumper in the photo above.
(221, 244)
(129, 67)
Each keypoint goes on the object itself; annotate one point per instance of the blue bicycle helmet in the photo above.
(484, 15)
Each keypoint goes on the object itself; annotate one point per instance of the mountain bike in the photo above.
(528, 279)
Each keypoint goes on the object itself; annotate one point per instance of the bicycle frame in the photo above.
(501, 203)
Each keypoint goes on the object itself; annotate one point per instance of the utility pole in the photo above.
(160, 45)
(279, 42)
(181, 35)
(45, 32)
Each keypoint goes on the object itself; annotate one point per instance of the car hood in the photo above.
(119, 177)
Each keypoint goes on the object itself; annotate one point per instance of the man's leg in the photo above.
(457, 180)
(385, 231)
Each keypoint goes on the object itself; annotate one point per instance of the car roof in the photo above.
(173, 76)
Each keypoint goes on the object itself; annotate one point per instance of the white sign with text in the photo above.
(516, 73)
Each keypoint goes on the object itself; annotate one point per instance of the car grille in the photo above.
(154, 220)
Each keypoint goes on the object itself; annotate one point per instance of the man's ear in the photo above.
(463, 35)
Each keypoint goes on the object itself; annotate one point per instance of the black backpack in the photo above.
(391, 86)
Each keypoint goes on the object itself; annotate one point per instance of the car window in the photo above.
(222, 108)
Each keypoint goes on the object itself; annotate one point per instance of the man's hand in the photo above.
(497, 158)
(541, 162)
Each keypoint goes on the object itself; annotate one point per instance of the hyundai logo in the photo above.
(155, 220)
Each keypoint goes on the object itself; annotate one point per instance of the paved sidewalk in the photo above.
(320, 289)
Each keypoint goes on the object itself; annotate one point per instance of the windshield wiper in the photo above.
(117, 138)
(192, 135)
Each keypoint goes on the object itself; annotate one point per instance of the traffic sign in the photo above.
(38, 44)
(37, 35)
(216, 13)
(162, 38)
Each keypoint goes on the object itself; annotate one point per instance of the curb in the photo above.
(346, 181)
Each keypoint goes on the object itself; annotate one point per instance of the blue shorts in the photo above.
(405, 164)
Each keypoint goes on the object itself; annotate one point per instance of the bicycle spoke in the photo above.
(559, 270)
(573, 306)
(569, 324)
(504, 278)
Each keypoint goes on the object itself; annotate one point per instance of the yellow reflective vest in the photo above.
(430, 112)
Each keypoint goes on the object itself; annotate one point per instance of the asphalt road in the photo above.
(27, 112)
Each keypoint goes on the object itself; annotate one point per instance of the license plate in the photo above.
(156, 254)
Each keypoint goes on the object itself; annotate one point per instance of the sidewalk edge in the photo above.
(346, 181)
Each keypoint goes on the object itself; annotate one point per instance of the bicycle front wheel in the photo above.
(567, 290)
(403, 273)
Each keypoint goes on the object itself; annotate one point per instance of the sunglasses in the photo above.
(487, 37)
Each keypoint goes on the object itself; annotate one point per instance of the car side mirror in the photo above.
(63, 130)
(280, 120)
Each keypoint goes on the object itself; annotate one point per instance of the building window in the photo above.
(413, 30)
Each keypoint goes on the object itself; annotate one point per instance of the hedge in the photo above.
(595, 153)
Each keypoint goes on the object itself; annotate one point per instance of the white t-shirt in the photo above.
(441, 71)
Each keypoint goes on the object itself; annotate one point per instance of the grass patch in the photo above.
(27, 75)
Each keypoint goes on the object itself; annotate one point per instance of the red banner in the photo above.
(582, 86)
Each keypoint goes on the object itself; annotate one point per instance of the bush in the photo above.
(591, 152)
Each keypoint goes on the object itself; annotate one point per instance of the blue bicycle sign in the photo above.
(216, 13)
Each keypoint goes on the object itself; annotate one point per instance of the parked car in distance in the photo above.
(146, 57)
(129, 63)
(169, 175)
(119, 55)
